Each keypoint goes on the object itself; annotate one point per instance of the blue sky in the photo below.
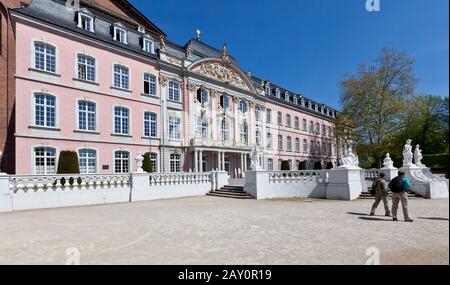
(309, 45)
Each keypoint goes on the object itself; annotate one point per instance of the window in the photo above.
(44, 110)
(202, 127)
(258, 113)
(330, 131)
(120, 35)
(270, 164)
(305, 146)
(148, 46)
(259, 136)
(324, 148)
(121, 162)
(88, 161)
(305, 125)
(289, 144)
(318, 149)
(269, 141)
(86, 67)
(44, 160)
(286, 96)
(85, 22)
(317, 128)
(330, 150)
(288, 120)
(324, 130)
(174, 91)
(174, 128)
(87, 116)
(295, 100)
(297, 123)
(297, 145)
(311, 127)
(280, 142)
(280, 119)
(202, 96)
(244, 133)
(312, 145)
(269, 116)
(150, 124)
(121, 120)
(175, 163)
(224, 130)
(44, 57)
(277, 93)
(154, 161)
(243, 106)
(224, 101)
(121, 77)
(149, 84)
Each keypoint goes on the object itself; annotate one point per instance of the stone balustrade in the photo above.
(371, 174)
(303, 176)
(160, 179)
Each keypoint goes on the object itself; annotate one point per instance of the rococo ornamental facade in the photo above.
(104, 81)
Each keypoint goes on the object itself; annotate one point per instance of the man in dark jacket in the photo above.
(380, 188)
(399, 187)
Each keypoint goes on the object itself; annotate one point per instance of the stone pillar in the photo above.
(219, 163)
(196, 161)
(5, 195)
(223, 161)
(200, 167)
(344, 184)
(242, 163)
(390, 172)
(245, 162)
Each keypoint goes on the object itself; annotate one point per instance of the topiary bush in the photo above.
(330, 165)
(285, 165)
(302, 165)
(68, 163)
(317, 165)
(147, 164)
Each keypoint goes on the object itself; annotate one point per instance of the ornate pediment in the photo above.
(223, 73)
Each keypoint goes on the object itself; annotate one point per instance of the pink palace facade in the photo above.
(94, 82)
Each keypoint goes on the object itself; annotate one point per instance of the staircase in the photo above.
(366, 195)
(236, 192)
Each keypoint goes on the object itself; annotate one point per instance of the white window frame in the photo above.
(122, 161)
(174, 91)
(175, 162)
(123, 36)
(87, 112)
(150, 75)
(33, 57)
(148, 45)
(45, 157)
(82, 15)
(150, 122)
(121, 74)
(174, 125)
(87, 165)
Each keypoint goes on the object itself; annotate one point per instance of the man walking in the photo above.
(399, 187)
(379, 186)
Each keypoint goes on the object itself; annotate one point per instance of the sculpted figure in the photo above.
(387, 162)
(407, 154)
(418, 156)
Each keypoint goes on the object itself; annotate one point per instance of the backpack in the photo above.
(396, 185)
(375, 184)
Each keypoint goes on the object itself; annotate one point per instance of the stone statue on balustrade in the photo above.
(387, 162)
(139, 162)
(407, 154)
(418, 156)
(255, 158)
(350, 160)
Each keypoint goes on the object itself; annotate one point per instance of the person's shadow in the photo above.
(434, 218)
(366, 217)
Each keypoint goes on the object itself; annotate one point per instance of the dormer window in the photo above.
(267, 90)
(148, 45)
(141, 29)
(295, 100)
(286, 96)
(86, 20)
(120, 34)
(277, 93)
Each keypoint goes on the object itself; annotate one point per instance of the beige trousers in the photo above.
(403, 198)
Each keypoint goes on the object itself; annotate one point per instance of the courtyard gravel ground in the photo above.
(210, 230)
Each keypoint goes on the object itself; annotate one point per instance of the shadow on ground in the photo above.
(433, 218)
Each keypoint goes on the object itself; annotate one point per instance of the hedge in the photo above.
(285, 165)
(147, 164)
(68, 162)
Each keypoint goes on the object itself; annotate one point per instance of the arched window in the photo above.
(224, 101)
(150, 124)
(277, 93)
(150, 84)
(44, 160)
(86, 67)
(44, 110)
(85, 20)
(87, 120)
(224, 130)
(287, 97)
(121, 162)
(121, 121)
(148, 45)
(44, 57)
(244, 133)
(88, 161)
(202, 127)
(121, 77)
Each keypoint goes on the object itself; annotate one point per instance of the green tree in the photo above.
(147, 164)
(374, 98)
